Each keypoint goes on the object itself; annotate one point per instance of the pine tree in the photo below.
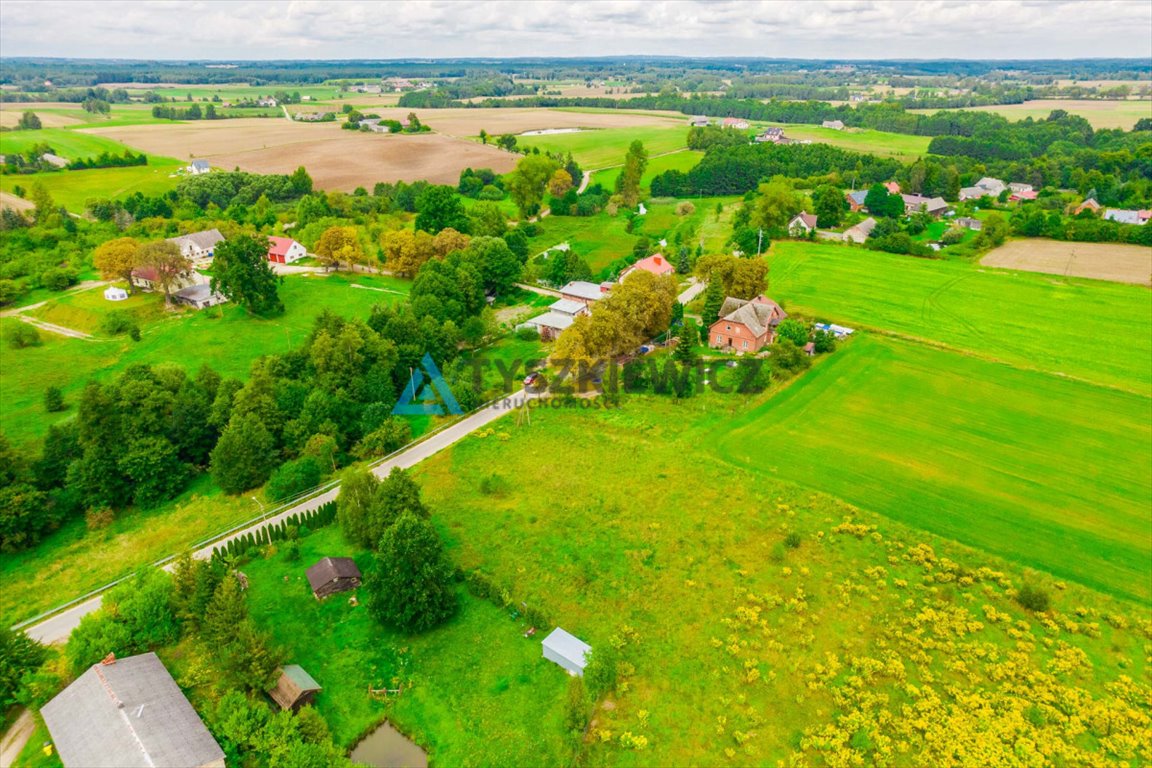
(685, 352)
(713, 300)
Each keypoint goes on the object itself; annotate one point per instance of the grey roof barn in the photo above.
(333, 574)
(129, 713)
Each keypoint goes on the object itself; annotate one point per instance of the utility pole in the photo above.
(759, 241)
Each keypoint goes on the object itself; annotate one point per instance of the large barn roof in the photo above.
(128, 714)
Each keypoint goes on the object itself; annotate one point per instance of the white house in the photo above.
(568, 651)
(285, 250)
(199, 296)
(836, 125)
(112, 293)
(197, 167)
(198, 246)
(991, 186)
(54, 160)
(801, 224)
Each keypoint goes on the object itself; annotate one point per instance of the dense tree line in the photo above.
(734, 170)
(109, 160)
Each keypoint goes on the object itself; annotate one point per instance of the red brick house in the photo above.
(745, 325)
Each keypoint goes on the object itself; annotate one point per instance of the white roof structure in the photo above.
(112, 293)
(567, 650)
(128, 714)
(556, 320)
(568, 307)
(582, 289)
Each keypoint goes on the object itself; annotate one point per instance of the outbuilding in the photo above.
(332, 575)
(567, 650)
(113, 293)
(294, 688)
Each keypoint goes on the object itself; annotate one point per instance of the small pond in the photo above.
(386, 747)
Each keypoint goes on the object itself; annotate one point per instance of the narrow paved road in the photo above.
(695, 288)
(56, 628)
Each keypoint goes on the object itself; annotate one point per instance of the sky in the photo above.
(344, 29)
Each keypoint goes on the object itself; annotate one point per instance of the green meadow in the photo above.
(1086, 329)
(605, 147)
(898, 145)
(73, 189)
(1009, 461)
(225, 338)
(476, 682)
(684, 160)
(68, 143)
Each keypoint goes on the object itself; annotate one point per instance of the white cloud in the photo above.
(237, 29)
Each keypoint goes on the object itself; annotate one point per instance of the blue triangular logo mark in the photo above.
(431, 394)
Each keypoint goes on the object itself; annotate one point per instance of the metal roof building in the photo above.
(129, 713)
(567, 650)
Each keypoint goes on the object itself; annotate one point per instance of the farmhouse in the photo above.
(1016, 186)
(771, 135)
(129, 713)
(836, 125)
(266, 101)
(567, 650)
(332, 575)
(285, 250)
(54, 160)
(294, 688)
(855, 199)
(149, 279)
(746, 325)
(656, 264)
(801, 224)
(1023, 195)
(1088, 205)
(860, 232)
(991, 186)
(1121, 216)
(698, 122)
(199, 296)
(198, 246)
(735, 123)
(313, 117)
(972, 193)
(112, 293)
(197, 167)
(969, 223)
(374, 124)
(583, 291)
(560, 315)
(893, 187)
(933, 206)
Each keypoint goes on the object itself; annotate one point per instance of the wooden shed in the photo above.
(295, 688)
(332, 575)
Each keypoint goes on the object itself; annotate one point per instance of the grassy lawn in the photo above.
(476, 691)
(1087, 329)
(606, 147)
(648, 534)
(67, 142)
(73, 189)
(901, 146)
(684, 160)
(1013, 462)
(73, 560)
(227, 339)
(600, 239)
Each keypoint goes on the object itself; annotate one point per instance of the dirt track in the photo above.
(1102, 261)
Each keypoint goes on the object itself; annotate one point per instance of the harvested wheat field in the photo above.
(1101, 261)
(8, 200)
(469, 122)
(10, 113)
(336, 159)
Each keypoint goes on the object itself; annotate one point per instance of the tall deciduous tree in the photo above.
(526, 184)
(411, 586)
(245, 455)
(242, 272)
(829, 204)
(628, 182)
(117, 258)
(439, 207)
(170, 265)
(340, 244)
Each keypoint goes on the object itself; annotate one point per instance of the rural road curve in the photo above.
(15, 738)
(53, 328)
(696, 288)
(55, 629)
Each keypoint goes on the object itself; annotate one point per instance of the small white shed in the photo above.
(112, 293)
(567, 650)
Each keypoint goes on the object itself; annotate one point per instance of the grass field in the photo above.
(963, 453)
(67, 143)
(740, 645)
(477, 691)
(606, 147)
(228, 341)
(1101, 261)
(1099, 112)
(600, 240)
(1096, 331)
(684, 160)
(901, 146)
(73, 189)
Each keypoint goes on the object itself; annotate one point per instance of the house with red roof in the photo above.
(892, 187)
(656, 264)
(285, 250)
